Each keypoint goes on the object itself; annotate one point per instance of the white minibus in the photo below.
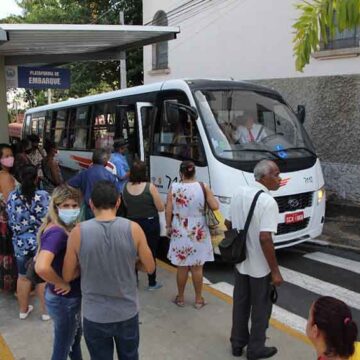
(206, 121)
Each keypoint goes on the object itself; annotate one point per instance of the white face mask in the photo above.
(68, 216)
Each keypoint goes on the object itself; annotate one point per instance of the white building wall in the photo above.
(240, 39)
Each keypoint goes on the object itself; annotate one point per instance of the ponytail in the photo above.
(333, 318)
(187, 169)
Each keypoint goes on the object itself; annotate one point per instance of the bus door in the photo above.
(144, 112)
(175, 138)
(127, 128)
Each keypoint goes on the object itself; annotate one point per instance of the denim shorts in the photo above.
(22, 262)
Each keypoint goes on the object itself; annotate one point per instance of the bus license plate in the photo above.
(294, 217)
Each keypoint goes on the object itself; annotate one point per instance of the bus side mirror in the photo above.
(173, 109)
(301, 113)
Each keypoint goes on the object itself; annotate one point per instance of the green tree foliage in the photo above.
(88, 77)
(318, 20)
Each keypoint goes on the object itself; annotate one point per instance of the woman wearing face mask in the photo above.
(8, 272)
(63, 300)
(50, 167)
(26, 207)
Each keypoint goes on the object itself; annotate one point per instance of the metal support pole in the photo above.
(123, 77)
(4, 122)
(49, 96)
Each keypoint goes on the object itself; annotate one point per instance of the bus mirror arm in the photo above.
(301, 113)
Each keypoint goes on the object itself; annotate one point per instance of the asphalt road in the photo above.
(309, 272)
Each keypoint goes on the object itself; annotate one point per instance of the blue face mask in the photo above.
(69, 216)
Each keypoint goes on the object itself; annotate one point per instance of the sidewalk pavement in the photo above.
(342, 225)
(166, 331)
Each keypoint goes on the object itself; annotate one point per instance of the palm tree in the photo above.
(319, 20)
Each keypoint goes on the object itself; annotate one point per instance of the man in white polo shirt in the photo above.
(254, 276)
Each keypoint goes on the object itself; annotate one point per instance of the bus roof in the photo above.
(194, 84)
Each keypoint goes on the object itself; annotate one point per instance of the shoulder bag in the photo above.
(211, 219)
(233, 247)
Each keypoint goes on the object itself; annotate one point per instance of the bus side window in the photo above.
(60, 129)
(103, 122)
(79, 127)
(27, 126)
(37, 125)
(48, 126)
(34, 125)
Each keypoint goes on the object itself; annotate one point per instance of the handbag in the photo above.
(211, 219)
(233, 247)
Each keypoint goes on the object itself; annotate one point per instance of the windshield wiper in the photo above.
(301, 148)
(257, 150)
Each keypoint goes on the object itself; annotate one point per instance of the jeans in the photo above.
(66, 315)
(100, 339)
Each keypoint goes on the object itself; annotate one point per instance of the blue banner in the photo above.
(43, 78)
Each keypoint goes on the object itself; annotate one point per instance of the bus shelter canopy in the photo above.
(22, 44)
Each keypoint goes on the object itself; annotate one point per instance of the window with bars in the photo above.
(349, 38)
(160, 50)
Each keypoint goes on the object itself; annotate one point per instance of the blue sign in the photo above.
(43, 78)
(281, 152)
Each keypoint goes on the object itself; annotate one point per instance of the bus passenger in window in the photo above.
(80, 138)
(118, 158)
(50, 167)
(37, 154)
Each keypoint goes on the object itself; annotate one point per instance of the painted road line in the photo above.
(335, 261)
(286, 317)
(351, 298)
(5, 353)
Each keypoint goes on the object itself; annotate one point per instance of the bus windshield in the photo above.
(248, 125)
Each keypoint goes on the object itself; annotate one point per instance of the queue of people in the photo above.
(90, 267)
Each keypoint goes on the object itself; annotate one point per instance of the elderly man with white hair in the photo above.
(254, 276)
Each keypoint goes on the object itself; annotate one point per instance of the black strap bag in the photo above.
(233, 247)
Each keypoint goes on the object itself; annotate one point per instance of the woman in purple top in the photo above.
(63, 300)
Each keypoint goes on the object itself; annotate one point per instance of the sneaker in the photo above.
(23, 316)
(45, 317)
(154, 287)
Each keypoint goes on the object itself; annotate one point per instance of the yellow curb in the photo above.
(5, 353)
(228, 299)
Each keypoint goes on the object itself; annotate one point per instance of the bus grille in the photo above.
(294, 202)
(288, 228)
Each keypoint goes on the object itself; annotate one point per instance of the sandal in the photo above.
(178, 302)
(200, 305)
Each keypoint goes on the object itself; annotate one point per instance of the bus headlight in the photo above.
(320, 194)
(224, 199)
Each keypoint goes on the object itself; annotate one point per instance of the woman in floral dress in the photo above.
(190, 244)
